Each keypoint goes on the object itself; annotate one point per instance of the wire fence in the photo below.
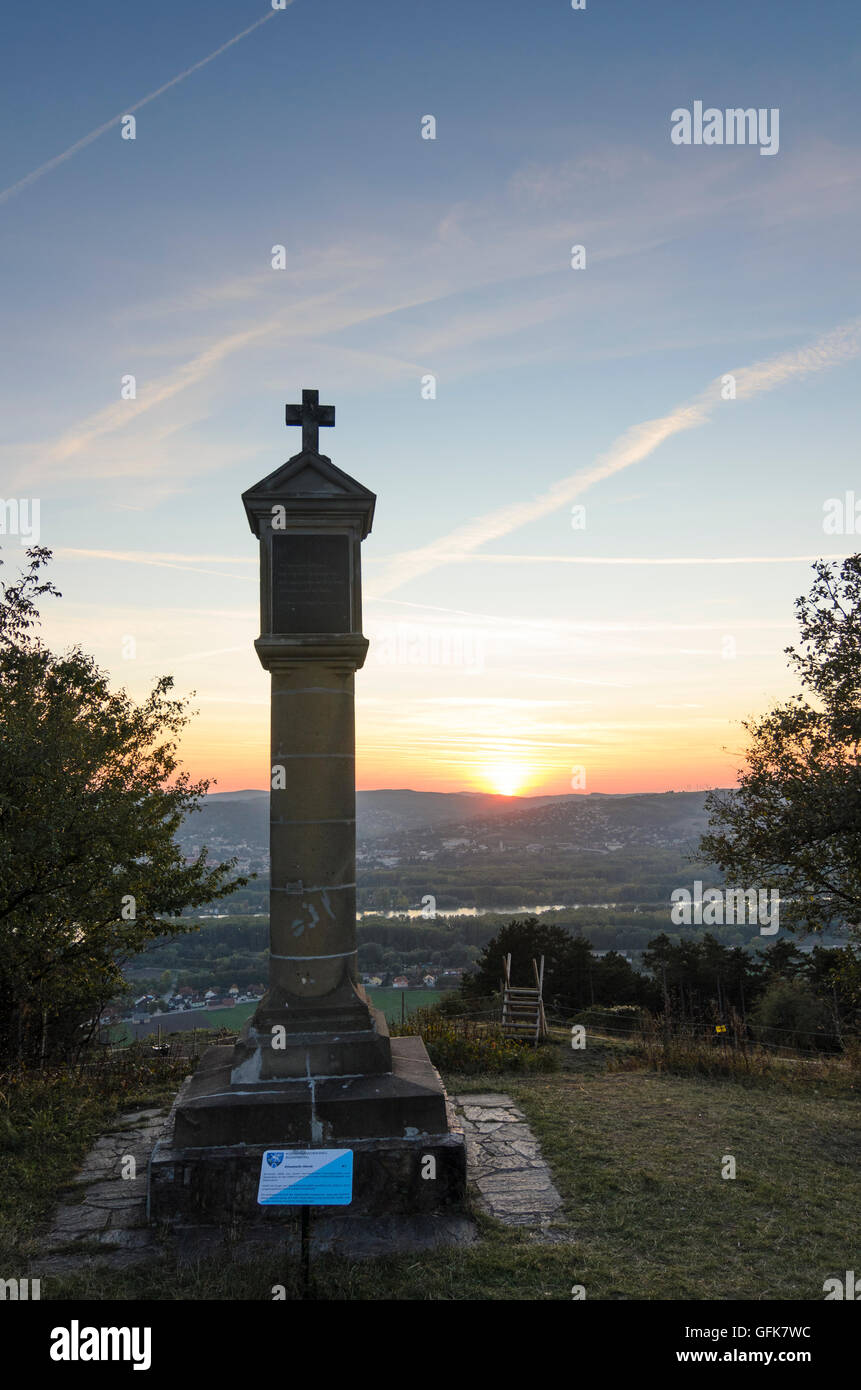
(655, 1031)
(738, 1034)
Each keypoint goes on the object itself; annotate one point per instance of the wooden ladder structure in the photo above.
(523, 1008)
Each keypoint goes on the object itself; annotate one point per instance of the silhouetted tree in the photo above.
(794, 824)
(91, 797)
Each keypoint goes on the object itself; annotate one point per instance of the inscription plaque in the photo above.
(311, 584)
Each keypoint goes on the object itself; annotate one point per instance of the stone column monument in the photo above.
(315, 1066)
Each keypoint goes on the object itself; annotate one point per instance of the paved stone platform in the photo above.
(109, 1223)
(110, 1228)
(504, 1162)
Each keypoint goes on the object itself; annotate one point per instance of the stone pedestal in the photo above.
(315, 1067)
(206, 1169)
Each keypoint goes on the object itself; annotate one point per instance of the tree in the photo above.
(460, 954)
(693, 977)
(789, 1014)
(370, 955)
(794, 823)
(91, 797)
(567, 961)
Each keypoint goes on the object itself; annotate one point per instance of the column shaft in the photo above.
(312, 836)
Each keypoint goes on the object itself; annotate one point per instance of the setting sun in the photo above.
(506, 778)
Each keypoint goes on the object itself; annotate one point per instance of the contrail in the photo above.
(159, 563)
(497, 559)
(637, 443)
(127, 111)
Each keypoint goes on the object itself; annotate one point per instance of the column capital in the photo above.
(344, 651)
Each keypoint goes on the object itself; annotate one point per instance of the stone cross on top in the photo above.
(310, 415)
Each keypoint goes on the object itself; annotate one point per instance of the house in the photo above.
(234, 990)
(210, 997)
(400, 982)
(429, 981)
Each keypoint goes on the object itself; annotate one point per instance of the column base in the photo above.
(287, 1043)
(213, 1109)
(206, 1169)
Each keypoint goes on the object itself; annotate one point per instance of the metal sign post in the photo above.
(306, 1252)
(305, 1178)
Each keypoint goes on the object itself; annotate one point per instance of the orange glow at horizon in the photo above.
(233, 753)
(233, 768)
(507, 778)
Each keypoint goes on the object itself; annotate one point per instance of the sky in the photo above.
(593, 523)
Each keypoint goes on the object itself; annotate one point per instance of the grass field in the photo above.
(636, 1155)
(389, 1000)
(228, 1018)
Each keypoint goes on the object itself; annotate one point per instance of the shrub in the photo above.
(453, 1004)
(612, 1018)
(789, 1014)
(471, 1046)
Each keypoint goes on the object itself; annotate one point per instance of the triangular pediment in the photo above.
(308, 475)
(304, 479)
(310, 482)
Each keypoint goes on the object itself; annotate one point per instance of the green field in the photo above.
(388, 1000)
(228, 1018)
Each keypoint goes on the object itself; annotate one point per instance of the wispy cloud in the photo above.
(636, 444)
(497, 559)
(161, 557)
(170, 562)
(502, 702)
(171, 383)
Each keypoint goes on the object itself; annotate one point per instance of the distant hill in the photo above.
(595, 822)
(245, 814)
(388, 813)
(406, 821)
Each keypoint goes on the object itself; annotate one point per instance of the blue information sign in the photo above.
(306, 1178)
